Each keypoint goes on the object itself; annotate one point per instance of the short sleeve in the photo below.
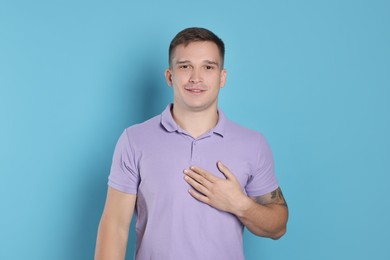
(262, 179)
(124, 175)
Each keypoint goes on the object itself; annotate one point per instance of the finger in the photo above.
(196, 185)
(205, 174)
(197, 177)
(199, 196)
(225, 170)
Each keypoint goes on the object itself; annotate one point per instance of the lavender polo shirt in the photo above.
(149, 160)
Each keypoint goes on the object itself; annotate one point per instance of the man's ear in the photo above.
(223, 78)
(168, 77)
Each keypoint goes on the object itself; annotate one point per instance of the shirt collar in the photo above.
(167, 120)
(170, 125)
(221, 125)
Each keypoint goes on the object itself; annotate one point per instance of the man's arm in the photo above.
(264, 215)
(114, 225)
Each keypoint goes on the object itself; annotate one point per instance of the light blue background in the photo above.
(312, 76)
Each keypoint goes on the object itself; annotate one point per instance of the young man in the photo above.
(193, 177)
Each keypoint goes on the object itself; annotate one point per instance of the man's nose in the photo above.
(196, 76)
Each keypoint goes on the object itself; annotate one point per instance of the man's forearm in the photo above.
(263, 220)
(111, 242)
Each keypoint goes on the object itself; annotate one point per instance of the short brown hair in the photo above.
(196, 34)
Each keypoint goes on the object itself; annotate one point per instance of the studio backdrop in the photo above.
(312, 76)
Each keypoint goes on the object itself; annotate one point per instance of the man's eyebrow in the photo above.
(211, 62)
(182, 61)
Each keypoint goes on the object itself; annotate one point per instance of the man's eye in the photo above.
(209, 67)
(184, 67)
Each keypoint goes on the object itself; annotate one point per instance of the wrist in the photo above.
(244, 205)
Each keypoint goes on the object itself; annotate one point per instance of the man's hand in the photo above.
(223, 194)
(264, 216)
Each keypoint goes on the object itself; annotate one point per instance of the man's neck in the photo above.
(196, 123)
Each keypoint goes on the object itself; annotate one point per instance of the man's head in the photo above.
(196, 34)
(196, 70)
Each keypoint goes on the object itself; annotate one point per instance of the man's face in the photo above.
(196, 76)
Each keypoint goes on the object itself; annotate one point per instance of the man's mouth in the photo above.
(195, 90)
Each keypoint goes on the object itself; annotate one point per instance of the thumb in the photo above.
(225, 170)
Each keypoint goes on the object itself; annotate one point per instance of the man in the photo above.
(194, 177)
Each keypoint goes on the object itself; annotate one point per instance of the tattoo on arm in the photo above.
(275, 197)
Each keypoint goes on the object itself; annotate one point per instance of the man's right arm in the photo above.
(114, 225)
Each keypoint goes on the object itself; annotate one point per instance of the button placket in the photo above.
(194, 152)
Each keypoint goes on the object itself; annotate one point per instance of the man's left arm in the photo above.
(264, 216)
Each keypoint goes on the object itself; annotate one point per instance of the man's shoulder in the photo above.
(246, 138)
(146, 127)
(237, 129)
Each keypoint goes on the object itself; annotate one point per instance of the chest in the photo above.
(161, 165)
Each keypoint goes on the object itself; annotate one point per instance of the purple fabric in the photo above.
(149, 160)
